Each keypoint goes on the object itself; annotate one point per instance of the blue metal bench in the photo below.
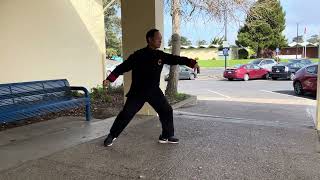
(29, 99)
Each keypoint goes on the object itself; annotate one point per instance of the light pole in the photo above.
(225, 36)
(297, 40)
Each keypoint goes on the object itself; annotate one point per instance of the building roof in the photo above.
(293, 44)
(196, 47)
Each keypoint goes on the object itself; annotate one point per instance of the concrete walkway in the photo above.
(211, 148)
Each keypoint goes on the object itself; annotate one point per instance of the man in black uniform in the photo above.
(146, 65)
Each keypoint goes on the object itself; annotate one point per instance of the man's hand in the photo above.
(197, 67)
(106, 83)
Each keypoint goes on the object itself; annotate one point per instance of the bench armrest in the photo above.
(78, 88)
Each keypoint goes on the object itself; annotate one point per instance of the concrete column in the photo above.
(137, 18)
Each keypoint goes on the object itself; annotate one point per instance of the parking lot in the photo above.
(211, 85)
(262, 100)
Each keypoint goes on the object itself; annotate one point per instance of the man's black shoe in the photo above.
(109, 140)
(170, 140)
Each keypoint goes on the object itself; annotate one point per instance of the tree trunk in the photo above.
(172, 87)
(259, 52)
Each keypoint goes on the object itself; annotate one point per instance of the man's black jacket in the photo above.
(146, 65)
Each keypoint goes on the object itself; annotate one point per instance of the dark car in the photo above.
(288, 70)
(306, 80)
(301, 61)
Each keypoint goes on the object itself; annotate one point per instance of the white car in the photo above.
(264, 63)
(185, 72)
(110, 66)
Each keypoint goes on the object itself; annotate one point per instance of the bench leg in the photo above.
(88, 112)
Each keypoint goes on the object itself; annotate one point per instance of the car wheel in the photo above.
(268, 76)
(192, 76)
(274, 78)
(246, 77)
(298, 88)
(292, 76)
(230, 79)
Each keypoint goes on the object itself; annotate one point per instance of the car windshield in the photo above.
(256, 62)
(294, 61)
(282, 64)
(185, 68)
(301, 61)
(306, 61)
(296, 65)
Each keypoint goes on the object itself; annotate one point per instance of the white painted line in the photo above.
(260, 100)
(269, 91)
(220, 94)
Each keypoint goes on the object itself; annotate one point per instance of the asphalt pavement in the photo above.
(237, 130)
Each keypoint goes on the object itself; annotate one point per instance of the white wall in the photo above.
(52, 39)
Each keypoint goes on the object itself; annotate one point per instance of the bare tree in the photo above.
(205, 9)
(172, 86)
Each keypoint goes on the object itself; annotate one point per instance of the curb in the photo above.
(191, 101)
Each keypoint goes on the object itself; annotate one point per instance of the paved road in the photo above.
(225, 137)
(265, 100)
(210, 148)
(211, 85)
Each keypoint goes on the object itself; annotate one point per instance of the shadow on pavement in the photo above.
(291, 93)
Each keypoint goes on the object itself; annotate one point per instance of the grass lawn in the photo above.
(230, 63)
(220, 63)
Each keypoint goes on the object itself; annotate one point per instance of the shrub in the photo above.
(100, 94)
(243, 54)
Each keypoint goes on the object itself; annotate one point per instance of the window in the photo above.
(312, 69)
(307, 61)
(248, 66)
(263, 63)
(270, 62)
(255, 62)
(256, 67)
(294, 65)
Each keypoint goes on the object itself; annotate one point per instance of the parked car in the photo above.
(306, 80)
(110, 66)
(185, 73)
(285, 70)
(117, 58)
(264, 63)
(301, 61)
(246, 72)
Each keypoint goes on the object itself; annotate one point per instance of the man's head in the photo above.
(154, 38)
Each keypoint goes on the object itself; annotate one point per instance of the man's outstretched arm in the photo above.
(125, 66)
(175, 60)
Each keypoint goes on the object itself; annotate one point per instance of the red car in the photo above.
(246, 72)
(306, 80)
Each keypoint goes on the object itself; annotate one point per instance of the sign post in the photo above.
(277, 54)
(225, 53)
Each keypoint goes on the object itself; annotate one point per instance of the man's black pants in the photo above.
(134, 103)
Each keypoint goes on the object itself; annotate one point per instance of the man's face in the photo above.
(156, 40)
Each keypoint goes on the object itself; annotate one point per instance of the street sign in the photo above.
(225, 44)
(225, 52)
(277, 50)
